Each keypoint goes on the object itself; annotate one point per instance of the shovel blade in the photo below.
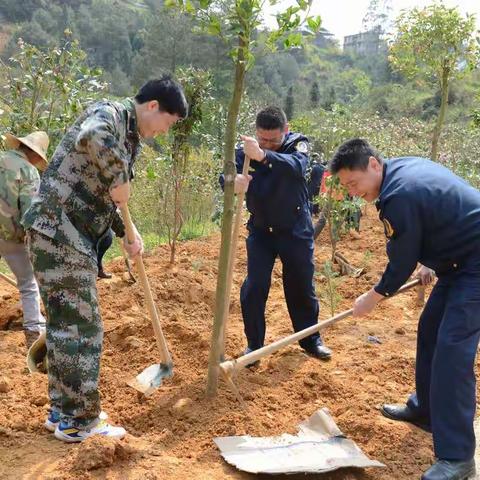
(37, 355)
(151, 378)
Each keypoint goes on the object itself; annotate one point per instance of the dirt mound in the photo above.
(11, 316)
(100, 452)
(172, 431)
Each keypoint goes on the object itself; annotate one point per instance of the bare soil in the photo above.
(171, 432)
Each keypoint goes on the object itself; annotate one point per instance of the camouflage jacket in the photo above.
(19, 181)
(73, 205)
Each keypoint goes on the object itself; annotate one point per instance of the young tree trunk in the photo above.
(230, 171)
(441, 114)
(177, 219)
(179, 166)
(329, 216)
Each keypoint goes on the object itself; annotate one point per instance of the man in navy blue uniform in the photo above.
(280, 225)
(432, 217)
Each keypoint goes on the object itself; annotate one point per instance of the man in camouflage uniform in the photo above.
(87, 179)
(19, 181)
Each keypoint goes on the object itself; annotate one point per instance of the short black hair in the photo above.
(353, 155)
(271, 118)
(167, 92)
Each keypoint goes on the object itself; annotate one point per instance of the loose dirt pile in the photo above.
(171, 432)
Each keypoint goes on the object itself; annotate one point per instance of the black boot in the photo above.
(403, 413)
(450, 470)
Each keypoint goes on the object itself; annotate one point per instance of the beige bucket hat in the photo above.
(36, 141)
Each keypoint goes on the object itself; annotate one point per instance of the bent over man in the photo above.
(430, 216)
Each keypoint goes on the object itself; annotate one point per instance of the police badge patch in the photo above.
(302, 147)
(389, 231)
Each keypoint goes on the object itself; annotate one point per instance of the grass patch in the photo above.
(190, 231)
(4, 267)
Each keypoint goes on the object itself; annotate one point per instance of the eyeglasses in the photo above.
(270, 141)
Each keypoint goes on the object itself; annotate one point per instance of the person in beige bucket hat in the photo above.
(19, 182)
(36, 144)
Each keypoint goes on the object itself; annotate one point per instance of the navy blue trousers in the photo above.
(448, 336)
(296, 255)
(103, 245)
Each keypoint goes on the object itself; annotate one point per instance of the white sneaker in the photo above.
(70, 434)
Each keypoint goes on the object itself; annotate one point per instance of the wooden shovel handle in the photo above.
(9, 280)
(273, 347)
(152, 310)
(233, 253)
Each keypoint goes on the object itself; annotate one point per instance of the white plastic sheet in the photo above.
(319, 446)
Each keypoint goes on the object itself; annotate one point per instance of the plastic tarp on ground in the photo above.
(319, 446)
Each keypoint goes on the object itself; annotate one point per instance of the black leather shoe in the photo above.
(450, 470)
(103, 274)
(402, 413)
(319, 351)
(256, 363)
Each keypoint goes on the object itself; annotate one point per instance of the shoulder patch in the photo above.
(302, 147)
(389, 231)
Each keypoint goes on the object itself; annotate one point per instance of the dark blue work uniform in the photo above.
(314, 184)
(432, 216)
(279, 225)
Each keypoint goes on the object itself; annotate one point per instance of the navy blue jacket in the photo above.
(430, 216)
(277, 196)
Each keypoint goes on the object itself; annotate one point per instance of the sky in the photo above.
(344, 17)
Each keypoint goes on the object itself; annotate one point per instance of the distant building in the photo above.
(324, 39)
(365, 43)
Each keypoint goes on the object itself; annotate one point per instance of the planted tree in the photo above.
(314, 95)
(236, 23)
(339, 210)
(435, 43)
(196, 85)
(330, 294)
(47, 89)
(289, 104)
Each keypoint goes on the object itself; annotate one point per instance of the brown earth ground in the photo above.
(169, 439)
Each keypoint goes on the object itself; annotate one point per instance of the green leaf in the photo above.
(151, 175)
(314, 23)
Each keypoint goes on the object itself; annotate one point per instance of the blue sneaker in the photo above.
(69, 434)
(52, 420)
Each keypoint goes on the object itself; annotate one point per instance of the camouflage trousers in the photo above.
(67, 281)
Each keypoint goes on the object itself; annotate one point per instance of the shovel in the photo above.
(37, 355)
(231, 367)
(132, 279)
(9, 280)
(151, 378)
